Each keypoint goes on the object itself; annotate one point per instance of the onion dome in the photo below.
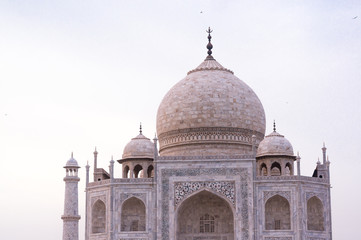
(72, 162)
(275, 144)
(209, 112)
(139, 147)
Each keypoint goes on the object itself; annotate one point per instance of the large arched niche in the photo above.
(204, 215)
(98, 217)
(315, 218)
(277, 213)
(133, 215)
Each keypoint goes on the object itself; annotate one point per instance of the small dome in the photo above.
(71, 162)
(138, 148)
(275, 144)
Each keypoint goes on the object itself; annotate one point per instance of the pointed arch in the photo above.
(204, 215)
(263, 170)
(315, 214)
(98, 217)
(288, 169)
(138, 171)
(276, 169)
(277, 213)
(133, 215)
(150, 171)
(126, 172)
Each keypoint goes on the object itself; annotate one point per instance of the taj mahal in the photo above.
(212, 173)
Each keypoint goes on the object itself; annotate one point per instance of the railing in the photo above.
(230, 157)
(121, 180)
(292, 178)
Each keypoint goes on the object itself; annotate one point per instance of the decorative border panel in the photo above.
(278, 238)
(184, 189)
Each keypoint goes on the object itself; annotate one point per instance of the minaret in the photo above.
(71, 216)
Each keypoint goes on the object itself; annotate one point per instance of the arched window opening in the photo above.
(150, 171)
(133, 215)
(205, 215)
(206, 224)
(275, 169)
(277, 213)
(98, 217)
(315, 214)
(263, 170)
(138, 171)
(126, 172)
(288, 169)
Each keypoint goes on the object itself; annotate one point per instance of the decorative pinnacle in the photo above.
(95, 151)
(140, 128)
(274, 125)
(71, 154)
(209, 45)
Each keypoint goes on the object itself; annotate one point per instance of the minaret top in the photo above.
(140, 128)
(72, 163)
(209, 45)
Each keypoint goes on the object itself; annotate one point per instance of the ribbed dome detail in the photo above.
(209, 65)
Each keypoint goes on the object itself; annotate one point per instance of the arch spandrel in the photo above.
(223, 189)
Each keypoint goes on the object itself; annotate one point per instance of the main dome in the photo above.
(209, 112)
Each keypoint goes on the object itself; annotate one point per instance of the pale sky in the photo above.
(80, 74)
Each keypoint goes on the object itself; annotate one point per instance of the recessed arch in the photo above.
(263, 170)
(150, 171)
(275, 169)
(133, 215)
(288, 169)
(277, 213)
(126, 172)
(98, 217)
(138, 171)
(205, 215)
(315, 214)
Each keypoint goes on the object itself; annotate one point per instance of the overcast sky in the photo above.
(80, 74)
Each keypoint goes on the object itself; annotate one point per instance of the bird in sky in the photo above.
(201, 12)
(355, 17)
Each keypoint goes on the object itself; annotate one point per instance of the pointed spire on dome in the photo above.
(140, 128)
(72, 155)
(274, 125)
(209, 45)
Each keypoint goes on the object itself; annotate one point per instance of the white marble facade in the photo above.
(214, 175)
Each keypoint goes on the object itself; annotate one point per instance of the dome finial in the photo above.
(72, 155)
(140, 128)
(274, 125)
(209, 45)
